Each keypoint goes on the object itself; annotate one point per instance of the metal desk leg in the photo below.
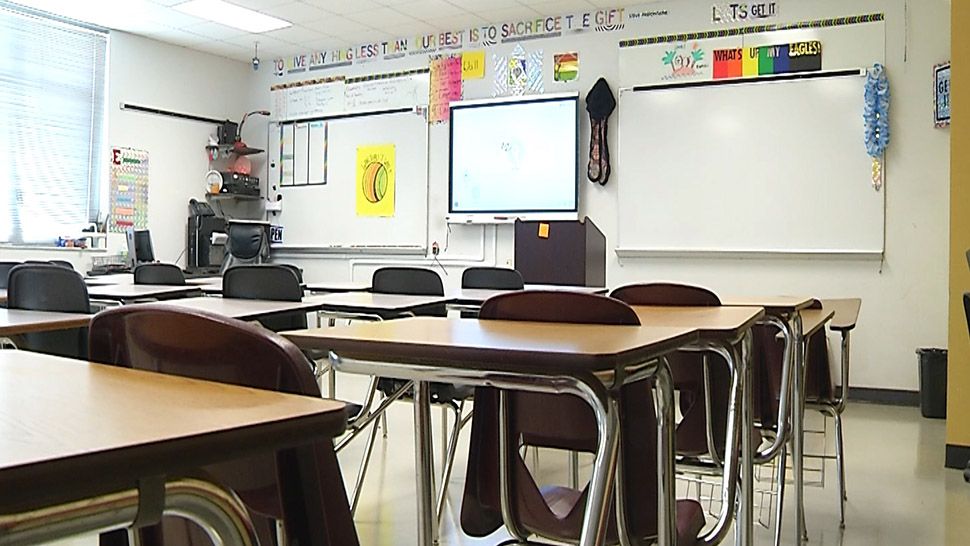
(666, 494)
(427, 530)
(218, 511)
(746, 507)
(798, 428)
(604, 467)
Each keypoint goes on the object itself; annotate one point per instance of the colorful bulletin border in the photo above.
(129, 190)
(754, 29)
(355, 79)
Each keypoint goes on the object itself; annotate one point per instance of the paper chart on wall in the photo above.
(286, 154)
(129, 190)
(446, 86)
(301, 147)
(317, 151)
(388, 93)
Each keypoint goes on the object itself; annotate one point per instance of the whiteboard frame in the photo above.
(674, 252)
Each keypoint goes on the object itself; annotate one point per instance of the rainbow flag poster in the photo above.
(565, 67)
(750, 62)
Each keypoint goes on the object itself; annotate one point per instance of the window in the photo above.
(52, 104)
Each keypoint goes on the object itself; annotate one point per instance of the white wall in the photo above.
(904, 298)
(150, 73)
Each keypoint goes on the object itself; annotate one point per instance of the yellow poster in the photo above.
(375, 180)
(473, 65)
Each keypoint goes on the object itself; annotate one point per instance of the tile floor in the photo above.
(899, 493)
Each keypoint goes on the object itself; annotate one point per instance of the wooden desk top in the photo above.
(240, 308)
(368, 302)
(814, 319)
(19, 321)
(531, 347)
(204, 281)
(846, 312)
(103, 280)
(719, 322)
(70, 429)
(135, 291)
(772, 304)
(339, 286)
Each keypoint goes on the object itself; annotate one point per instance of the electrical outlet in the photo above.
(435, 249)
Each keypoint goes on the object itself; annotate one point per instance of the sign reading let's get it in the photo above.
(743, 12)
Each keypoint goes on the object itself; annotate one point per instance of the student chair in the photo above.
(415, 282)
(5, 268)
(46, 287)
(267, 282)
(563, 422)
(159, 273)
(63, 263)
(246, 244)
(492, 278)
(703, 381)
(212, 347)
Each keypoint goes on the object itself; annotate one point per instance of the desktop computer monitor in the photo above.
(140, 247)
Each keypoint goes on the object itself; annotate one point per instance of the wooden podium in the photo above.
(561, 252)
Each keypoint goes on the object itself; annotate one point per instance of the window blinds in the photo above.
(52, 100)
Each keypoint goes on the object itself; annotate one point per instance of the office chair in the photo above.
(267, 282)
(246, 244)
(159, 273)
(47, 287)
(492, 278)
(216, 348)
(563, 422)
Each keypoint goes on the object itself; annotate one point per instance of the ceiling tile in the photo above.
(215, 31)
(560, 7)
(425, 9)
(343, 7)
(176, 36)
(336, 24)
(382, 18)
(296, 12)
(260, 5)
(480, 5)
(295, 34)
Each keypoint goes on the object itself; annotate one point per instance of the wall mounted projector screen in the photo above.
(514, 158)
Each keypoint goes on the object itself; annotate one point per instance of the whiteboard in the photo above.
(309, 100)
(325, 216)
(761, 166)
(404, 91)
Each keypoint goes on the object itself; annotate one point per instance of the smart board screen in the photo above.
(514, 157)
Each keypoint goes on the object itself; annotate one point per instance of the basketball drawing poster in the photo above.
(375, 180)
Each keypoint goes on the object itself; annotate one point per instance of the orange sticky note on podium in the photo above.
(543, 231)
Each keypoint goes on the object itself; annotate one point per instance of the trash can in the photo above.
(932, 382)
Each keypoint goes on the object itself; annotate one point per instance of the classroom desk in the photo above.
(243, 309)
(338, 286)
(531, 356)
(475, 297)
(722, 330)
(371, 306)
(127, 293)
(83, 445)
(846, 312)
(20, 321)
(785, 313)
(104, 280)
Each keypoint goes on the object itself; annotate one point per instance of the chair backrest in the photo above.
(669, 294)
(5, 268)
(412, 281)
(687, 368)
(246, 243)
(47, 287)
(296, 270)
(557, 421)
(492, 278)
(212, 347)
(63, 263)
(266, 282)
(159, 273)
